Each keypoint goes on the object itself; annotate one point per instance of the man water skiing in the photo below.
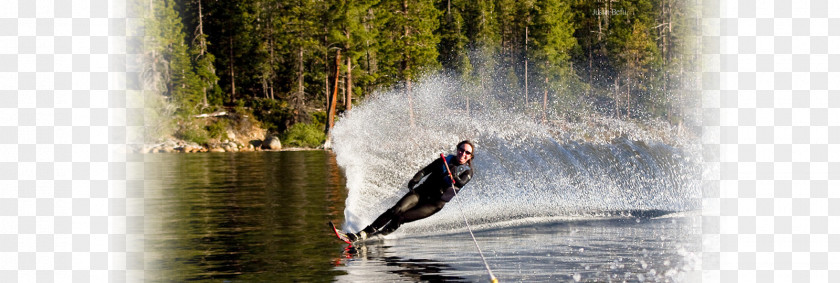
(427, 198)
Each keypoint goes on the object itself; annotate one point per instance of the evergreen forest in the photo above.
(303, 62)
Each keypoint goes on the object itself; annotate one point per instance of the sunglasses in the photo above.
(464, 151)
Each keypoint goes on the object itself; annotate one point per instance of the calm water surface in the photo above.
(257, 216)
(261, 217)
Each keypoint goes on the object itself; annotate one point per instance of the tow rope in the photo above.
(492, 277)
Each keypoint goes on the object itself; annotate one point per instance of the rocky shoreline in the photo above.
(172, 145)
(235, 131)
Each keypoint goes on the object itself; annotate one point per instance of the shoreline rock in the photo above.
(271, 143)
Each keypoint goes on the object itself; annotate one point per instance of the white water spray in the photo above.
(524, 168)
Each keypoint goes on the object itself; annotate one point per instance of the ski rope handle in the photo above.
(446, 165)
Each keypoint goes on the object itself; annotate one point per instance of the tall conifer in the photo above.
(409, 44)
(453, 40)
(553, 42)
(169, 57)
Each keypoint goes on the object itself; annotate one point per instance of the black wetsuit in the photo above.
(425, 199)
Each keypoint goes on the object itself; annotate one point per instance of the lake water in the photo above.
(246, 217)
(262, 217)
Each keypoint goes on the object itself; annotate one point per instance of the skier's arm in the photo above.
(422, 173)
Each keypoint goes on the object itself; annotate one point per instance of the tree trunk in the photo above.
(370, 59)
(264, 75)
(348, 85)
(526, 65)
(202, 48)
(299, 95)
(332, 101)
(406, 57)
(264, 83)
(326, 74)
(272, 59)
(348, 103)
(607, 18)
(232, 74)
(600, 28)
(405, 66)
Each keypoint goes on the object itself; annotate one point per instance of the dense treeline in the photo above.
(286, 60)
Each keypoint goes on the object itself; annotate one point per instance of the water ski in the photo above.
(341, 235)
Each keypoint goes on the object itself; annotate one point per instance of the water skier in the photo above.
(427, 198)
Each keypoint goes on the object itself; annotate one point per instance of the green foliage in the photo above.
(453, 52)
(158, 116)
(408, 41)
(274, 114)
(277, 57)
(218, 129)
(304, 135)
(553, 40)
(319, 117)
(204, 130)
(182, 85)
(206, 79)
(215, 96)
(170, 66)
(483, 33)
(192, 132)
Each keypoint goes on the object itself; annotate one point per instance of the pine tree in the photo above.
(590, 58)
(347, 30)
(640, 53)
(511, 47)
(633, 51)
(168, 57)
(368, 46)
(300, 40)
(266, 45)
(675, 30)
(453, 40)
(202, 59)
(525, 16)
(483, 33)
(238, 52)
(233, 25)
(409, 44)
(553, 41)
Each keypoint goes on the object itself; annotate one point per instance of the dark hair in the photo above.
(472, 156)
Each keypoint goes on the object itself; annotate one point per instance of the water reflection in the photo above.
(261, 217)
(624, 249)
(381, 259)
(242, 216)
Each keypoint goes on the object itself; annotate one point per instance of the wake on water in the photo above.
(526, 171)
